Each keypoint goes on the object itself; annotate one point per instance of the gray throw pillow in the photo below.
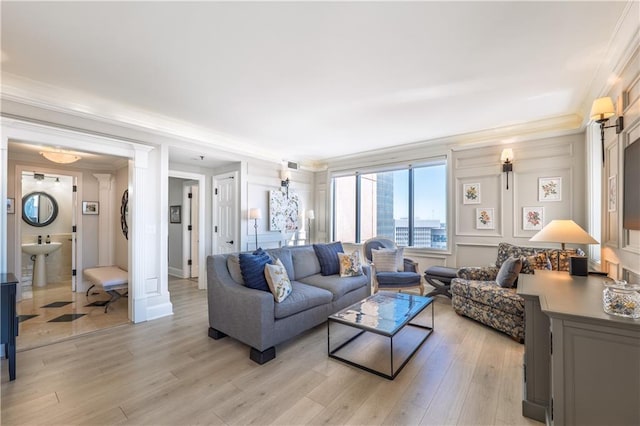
(509, 271)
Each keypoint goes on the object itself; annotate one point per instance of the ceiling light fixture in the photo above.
(60, 157)
(601, 110)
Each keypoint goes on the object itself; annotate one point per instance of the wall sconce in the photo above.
(507, 165)
(255, 214)
(285, 179)
(601, 110)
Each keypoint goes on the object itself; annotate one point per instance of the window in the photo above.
(407, 206)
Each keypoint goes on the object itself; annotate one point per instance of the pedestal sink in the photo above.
(40, 251)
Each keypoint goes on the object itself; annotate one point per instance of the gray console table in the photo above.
(581, 365)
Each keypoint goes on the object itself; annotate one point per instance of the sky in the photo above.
(430, 186)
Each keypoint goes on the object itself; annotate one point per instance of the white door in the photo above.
(225, 205)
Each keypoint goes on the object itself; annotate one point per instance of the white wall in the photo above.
(621, 247)
(561, 156)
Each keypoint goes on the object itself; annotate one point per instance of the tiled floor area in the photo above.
(56, 313)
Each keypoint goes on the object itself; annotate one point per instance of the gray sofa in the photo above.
(254, 318)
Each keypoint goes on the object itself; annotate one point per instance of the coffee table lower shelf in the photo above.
(368, 341)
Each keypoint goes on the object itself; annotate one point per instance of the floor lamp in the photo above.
(565, 231)
(310, 216)
(255, 214)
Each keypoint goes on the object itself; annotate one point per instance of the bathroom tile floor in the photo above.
(52, 324)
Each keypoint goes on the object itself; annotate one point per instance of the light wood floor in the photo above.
(38, 331)
(168, 372)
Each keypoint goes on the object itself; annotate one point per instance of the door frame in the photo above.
(236, 208)
(201, 179)
(76, 237)
(187, 236)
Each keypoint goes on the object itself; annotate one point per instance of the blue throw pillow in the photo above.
(328, 257)
(252, 269)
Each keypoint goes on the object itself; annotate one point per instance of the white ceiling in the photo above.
(308, 81)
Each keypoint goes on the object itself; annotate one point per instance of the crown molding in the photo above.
(539, 129)
(47, 97)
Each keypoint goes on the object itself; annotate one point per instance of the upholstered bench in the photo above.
(112, 279)
(440, 278)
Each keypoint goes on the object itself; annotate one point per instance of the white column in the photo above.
(105, 218)
(4, 146)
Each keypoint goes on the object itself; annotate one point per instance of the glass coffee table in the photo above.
(381, 333)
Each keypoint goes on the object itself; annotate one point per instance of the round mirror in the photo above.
(39, 209)
(124, 212)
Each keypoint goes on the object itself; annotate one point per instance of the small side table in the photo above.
(9, 320)
(440, 278)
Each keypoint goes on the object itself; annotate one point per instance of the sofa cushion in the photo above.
(509, 271)
(564, 258)
(278, 280)
(233, 265)
(506, 250)
(398, 279)
(252, 268)
(536, 261)
(335, 284)
(489, 293)
(305, 262)
(385, 260)
(302, 297)
(350, 265)
(328, 257)
(284, 254)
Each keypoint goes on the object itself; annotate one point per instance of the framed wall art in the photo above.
(484, 218)
(550, 189)
(175, 214)
(471, 193)
(532, 218)
(613, 193)
(90, 207)
(283, 211)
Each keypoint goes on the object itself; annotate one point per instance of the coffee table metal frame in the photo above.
(406, 323)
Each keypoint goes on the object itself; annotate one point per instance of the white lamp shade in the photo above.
(602, 109)
(255, 214)
(507, 155)
(563, 231)
(285, 174)
(311, 214)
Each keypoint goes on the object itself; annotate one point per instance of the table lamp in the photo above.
(255, 214)
(563, 232)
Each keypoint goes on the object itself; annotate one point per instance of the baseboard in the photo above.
(175, 272)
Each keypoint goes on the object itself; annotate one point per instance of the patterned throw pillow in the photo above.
(350, 265)
(509, 271)
(328, 257)
(536, 261)
(278, 281)
(385, 260)
(252, 268)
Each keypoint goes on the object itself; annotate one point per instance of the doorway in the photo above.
(186, 236)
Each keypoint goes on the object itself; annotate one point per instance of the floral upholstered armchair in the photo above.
(476, 294)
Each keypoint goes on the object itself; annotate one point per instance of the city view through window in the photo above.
(379, 204)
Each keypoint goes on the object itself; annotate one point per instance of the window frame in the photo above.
(383, 168)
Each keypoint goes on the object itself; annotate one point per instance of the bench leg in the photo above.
(215, 334)
(264, 356)
(438, 287)
(92, 286)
